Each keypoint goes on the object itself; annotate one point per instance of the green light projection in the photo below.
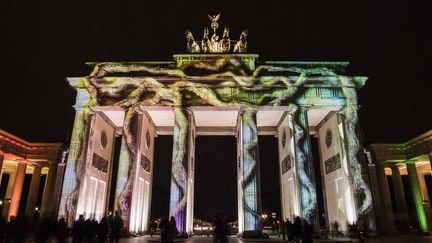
(417, 196)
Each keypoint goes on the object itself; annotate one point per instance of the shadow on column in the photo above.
(161, 177)
(270, 181)
(215, 178)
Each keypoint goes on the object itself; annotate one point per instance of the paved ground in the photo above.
(399, 239)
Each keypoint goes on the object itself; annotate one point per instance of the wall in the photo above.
(340, 205)
(191, 175)
(239, 136)
(143, 171)
(93, 192)
(287, 167)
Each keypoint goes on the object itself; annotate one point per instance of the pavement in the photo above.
(272, 239)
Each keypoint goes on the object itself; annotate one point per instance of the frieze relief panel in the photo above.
(145, 163)
(332, 164)
(286, 164)
(100, 163)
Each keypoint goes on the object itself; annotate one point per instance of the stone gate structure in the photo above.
(211, 94)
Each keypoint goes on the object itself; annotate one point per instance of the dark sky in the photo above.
(44, 42)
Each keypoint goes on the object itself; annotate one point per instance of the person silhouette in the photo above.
(102, 230)
(297, 229)
(163, 227)
(220, 229)
(61, 230)
(78, 230)
(115, 226)
(172, 230)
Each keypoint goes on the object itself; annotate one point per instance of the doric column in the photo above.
(17, 189)
(2, 206)
(33, 193)
(402, 212)
(249, 172)
(47, 209)
(1, 163)
(9, 190)
(75, 162)
(373, 214)
(386, 222)
(191, 175)
(305, 169)
(179, 169)
(361, 190)
(57, 188)
(430, 158)
(417, 197)
(425, 193)
(290, 201)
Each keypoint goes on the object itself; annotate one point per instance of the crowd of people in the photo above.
(16, 230)
(109, 227)
(91, 230)
(168, 230)
(295, 231)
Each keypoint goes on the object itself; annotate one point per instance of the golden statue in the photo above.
(241, 45)
(205, 43)
(192, 45)
(225, 43)
(214, 44)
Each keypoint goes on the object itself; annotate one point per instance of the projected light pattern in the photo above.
(77, 154)
(351, 121)
(127, 160)
(219, 80)
(307, 188)
(418, 198)
(251, 183)
(122, 204)
(179, 176)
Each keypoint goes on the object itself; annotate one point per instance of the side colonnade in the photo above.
(42, 166)
(404, 182)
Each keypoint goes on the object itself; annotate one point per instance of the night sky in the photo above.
(44, 42)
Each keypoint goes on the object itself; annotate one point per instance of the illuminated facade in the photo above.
(402, 169)
(137, 101)
(39, 162)
(211, 92)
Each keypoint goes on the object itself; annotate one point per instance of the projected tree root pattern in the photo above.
(223, 82)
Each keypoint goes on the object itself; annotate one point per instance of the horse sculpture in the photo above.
(241, 45)
(225, 44)
(192, 45)
(205, 43)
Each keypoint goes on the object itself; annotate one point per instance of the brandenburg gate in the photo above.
(217, 89)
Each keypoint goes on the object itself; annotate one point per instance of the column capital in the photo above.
(384, 164)
(186, 109)
(243, 109)
(303, 108)
(342, 111)
(22, 161)
(410, 162)
(394, 167)
(37, 165)
(82, 108)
